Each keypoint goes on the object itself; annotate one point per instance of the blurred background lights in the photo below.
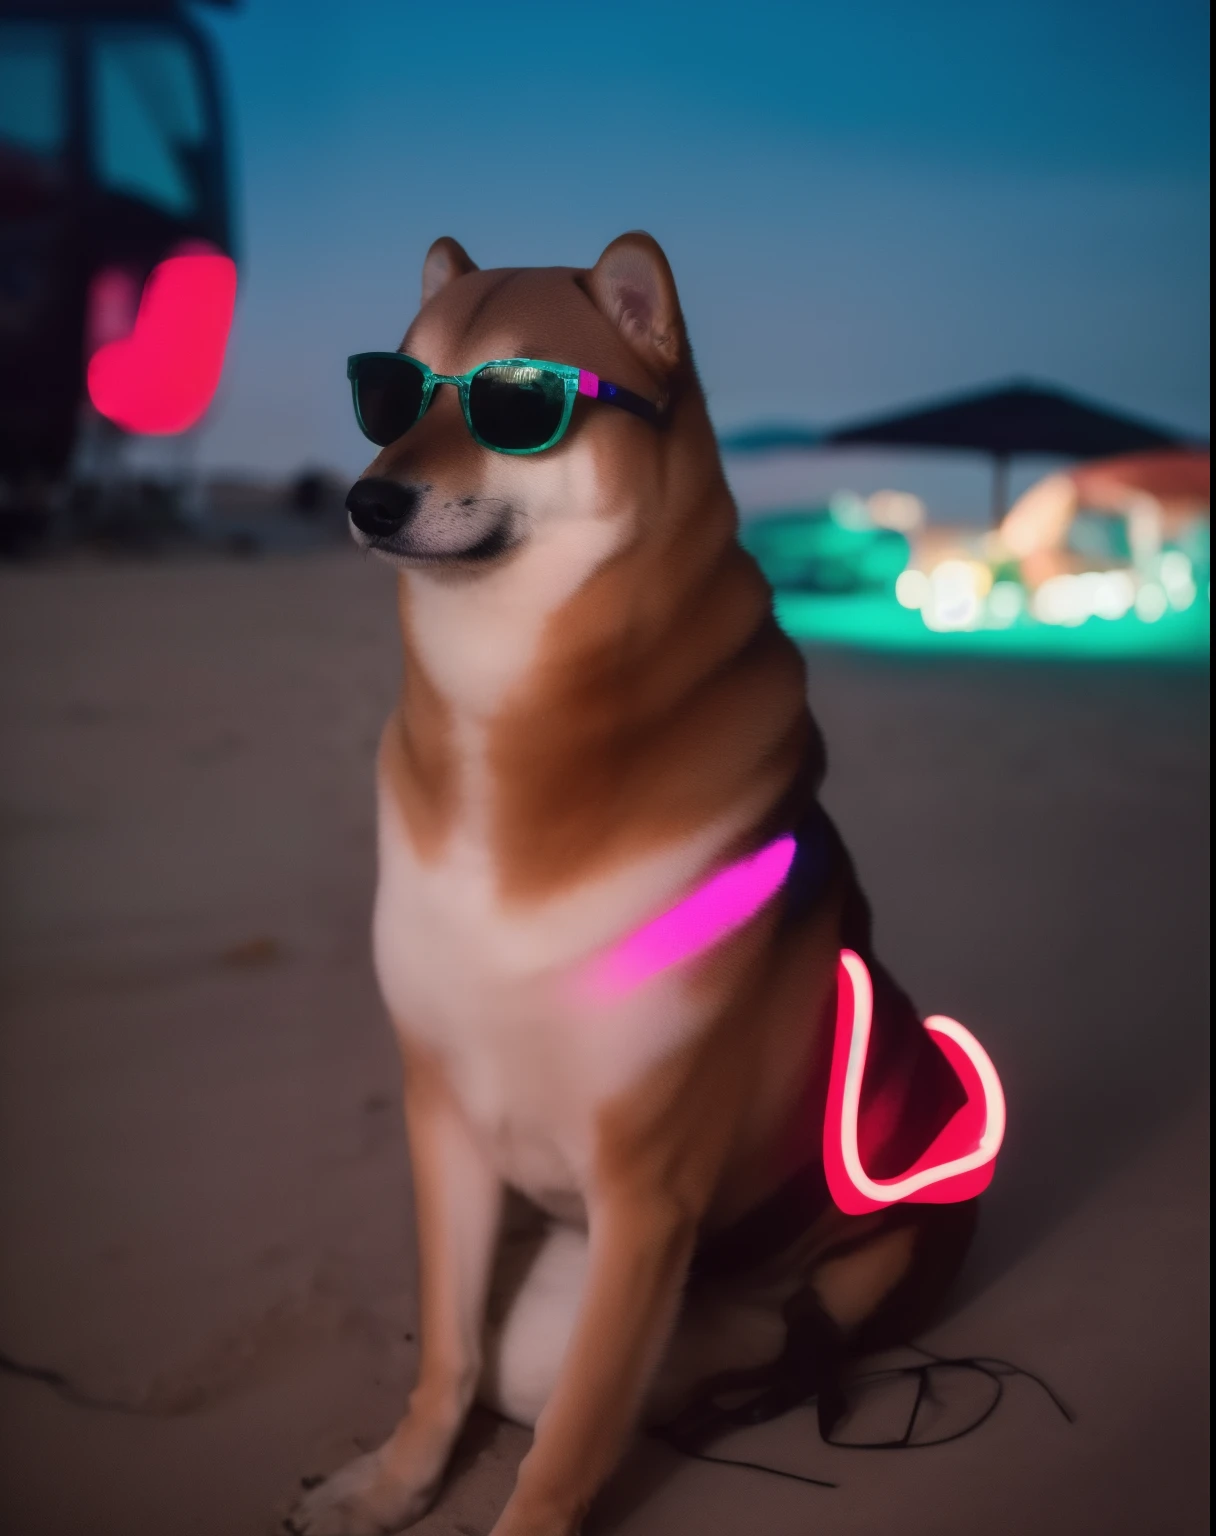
(1151, 602)
(1059, 600)
(961, 595)
(1113, 595)
(956, 590)
(850, 511)
(1178, 580)
(911, 589)
(1006, 602)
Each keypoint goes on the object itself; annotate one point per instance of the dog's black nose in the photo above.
(380, 508)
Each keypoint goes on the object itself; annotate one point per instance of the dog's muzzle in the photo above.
(381, 508)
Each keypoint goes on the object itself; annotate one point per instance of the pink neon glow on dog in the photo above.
(956, 1165)
(160, 378)
(959, 1162)
(723, 903)
(588, 383)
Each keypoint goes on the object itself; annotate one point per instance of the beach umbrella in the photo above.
(1001, 421)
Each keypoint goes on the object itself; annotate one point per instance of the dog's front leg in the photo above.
(458, 1201)
(640, 1247)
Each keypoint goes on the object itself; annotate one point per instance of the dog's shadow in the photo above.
(1119, 1083)
(1072, 1134)
(1079, 1137)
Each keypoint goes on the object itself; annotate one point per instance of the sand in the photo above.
(204, 1195)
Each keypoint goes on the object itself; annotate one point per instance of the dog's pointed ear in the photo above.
(446, 260)
(632, 284)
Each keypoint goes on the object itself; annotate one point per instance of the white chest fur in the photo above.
(494, 993)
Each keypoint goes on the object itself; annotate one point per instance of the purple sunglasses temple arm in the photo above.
(595, 388)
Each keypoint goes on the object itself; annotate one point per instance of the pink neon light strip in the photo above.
(959, 1162)
(162, 377)
(588, 383)
(723, 903)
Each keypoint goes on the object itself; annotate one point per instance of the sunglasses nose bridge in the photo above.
(435, 394)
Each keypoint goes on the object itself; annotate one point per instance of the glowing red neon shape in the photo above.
(959, 1162)
(161, 378)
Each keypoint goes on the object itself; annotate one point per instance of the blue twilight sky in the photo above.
(864, 202)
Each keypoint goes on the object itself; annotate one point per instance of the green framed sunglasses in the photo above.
(510, 405)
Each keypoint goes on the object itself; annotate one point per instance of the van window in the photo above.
(33, 94)
(151, 118)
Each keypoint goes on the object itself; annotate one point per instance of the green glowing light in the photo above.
(826, 549)
(875, 621)
(840, 581)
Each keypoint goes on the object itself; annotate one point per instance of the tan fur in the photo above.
(587, 725)
(416, 755)
(605, 754)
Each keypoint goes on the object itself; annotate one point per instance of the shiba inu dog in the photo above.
(610, 915)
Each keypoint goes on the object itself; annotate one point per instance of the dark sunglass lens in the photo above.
(388, 396)
(516, 407)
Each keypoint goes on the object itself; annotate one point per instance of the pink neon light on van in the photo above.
(161, 377)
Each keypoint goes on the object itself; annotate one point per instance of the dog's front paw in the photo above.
(368, 1497)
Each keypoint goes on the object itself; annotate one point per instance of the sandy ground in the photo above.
(204, 1197)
